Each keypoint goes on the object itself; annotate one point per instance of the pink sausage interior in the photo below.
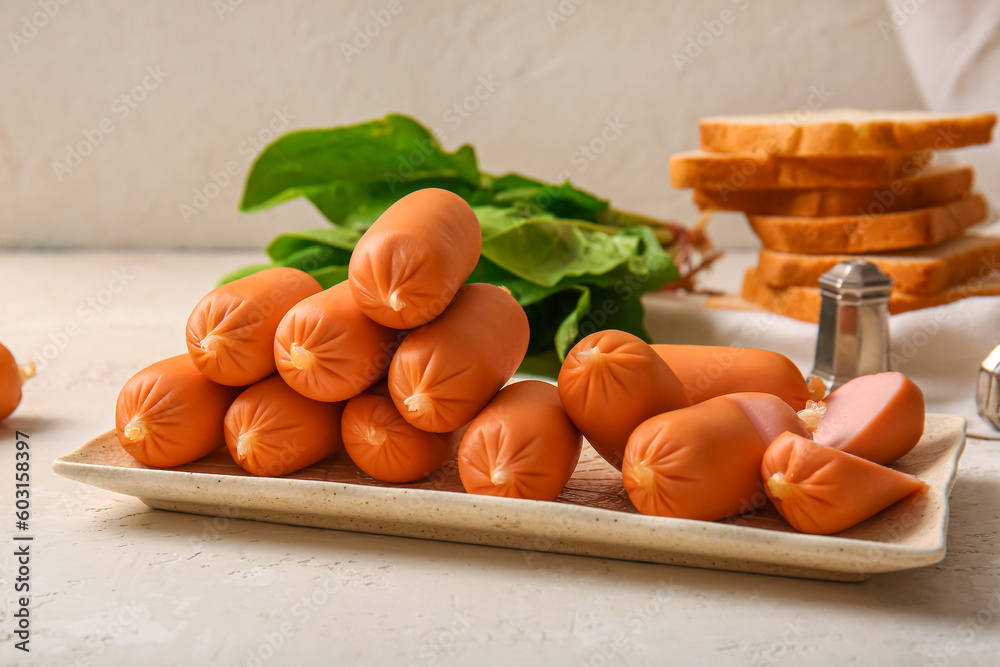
(850, 411)
(770, 415)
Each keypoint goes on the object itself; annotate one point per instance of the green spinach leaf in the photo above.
(353, 162)
(575, 264)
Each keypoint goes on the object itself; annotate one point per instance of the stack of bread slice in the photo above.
(830, 186)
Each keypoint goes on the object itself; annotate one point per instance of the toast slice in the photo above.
(938, 184)
(869, 233)
(925, 270)
(803, 303)
(729, 172)
(846, 132)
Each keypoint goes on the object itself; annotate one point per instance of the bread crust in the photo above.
(803, 303)
(936, 185)
(761, 170)
(923, 271)
(845, 132)
(865, 234)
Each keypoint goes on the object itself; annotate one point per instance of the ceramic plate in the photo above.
(592, 517)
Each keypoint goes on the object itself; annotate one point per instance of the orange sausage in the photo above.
(522, 445)
(230, 333)
(703, 462)
(822, 490)
(12, 376)
(446, 372)
(385, 446)
(708, 371)
(769, 414)
(407, 267)
(327, 350)
(878, 417)
(169, 414)
(272, 430)
(612, 381)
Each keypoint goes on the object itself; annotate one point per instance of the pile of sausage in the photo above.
(406, 367)
(703, 432)
(392, 364)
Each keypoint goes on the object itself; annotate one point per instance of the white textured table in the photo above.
(115, 583)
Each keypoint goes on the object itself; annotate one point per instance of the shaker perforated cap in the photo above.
(853, 336)
(855, 278)
(988, 391)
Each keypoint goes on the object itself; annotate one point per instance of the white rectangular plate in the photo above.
(592, 517)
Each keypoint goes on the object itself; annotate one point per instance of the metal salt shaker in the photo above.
(988, 391)
(853, 336)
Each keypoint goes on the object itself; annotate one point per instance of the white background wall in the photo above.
(560, 71)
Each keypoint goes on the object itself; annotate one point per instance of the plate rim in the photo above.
(760, 540)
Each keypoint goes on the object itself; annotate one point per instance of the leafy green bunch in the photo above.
(575, 264)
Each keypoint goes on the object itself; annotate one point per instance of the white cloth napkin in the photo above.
(941, 349)
(953, 51)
